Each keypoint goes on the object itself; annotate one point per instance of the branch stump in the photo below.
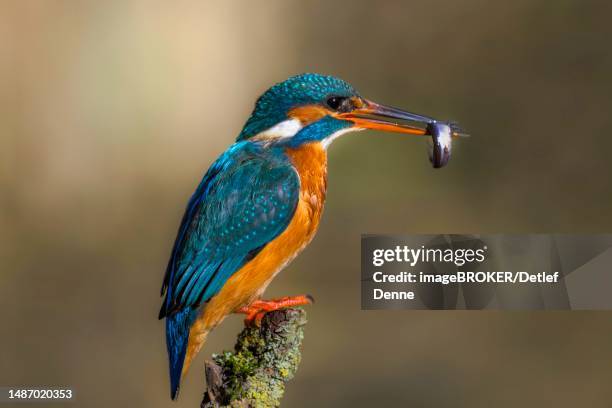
(264, 359)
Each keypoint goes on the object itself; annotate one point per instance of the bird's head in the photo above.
(317, 108)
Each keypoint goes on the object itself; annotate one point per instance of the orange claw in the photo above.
(256, 310)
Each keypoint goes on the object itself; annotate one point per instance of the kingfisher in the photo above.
(258, 205)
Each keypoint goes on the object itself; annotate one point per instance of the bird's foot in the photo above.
(256, 310)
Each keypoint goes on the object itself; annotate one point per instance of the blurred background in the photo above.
(110, 112)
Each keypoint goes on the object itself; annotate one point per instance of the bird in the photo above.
(258, 205)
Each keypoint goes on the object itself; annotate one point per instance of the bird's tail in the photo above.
(177, 339)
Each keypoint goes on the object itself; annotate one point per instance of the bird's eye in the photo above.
(340, 103)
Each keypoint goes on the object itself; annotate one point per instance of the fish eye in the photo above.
(340, 103)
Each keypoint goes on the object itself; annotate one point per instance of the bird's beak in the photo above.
(371, 115)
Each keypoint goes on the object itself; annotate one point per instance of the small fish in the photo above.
(440, 143)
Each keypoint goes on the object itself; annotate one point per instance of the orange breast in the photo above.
(252, 279)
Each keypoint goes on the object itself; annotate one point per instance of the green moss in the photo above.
(264, 359)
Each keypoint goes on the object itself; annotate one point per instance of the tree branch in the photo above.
(265, 358)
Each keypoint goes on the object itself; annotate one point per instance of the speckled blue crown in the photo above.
(272, 107)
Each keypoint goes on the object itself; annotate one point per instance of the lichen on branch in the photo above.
(264, 359)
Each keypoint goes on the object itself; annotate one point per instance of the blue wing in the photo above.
(245, 200)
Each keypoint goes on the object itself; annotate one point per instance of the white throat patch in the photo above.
(290, 127)
(286, 128)
(329, 139)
